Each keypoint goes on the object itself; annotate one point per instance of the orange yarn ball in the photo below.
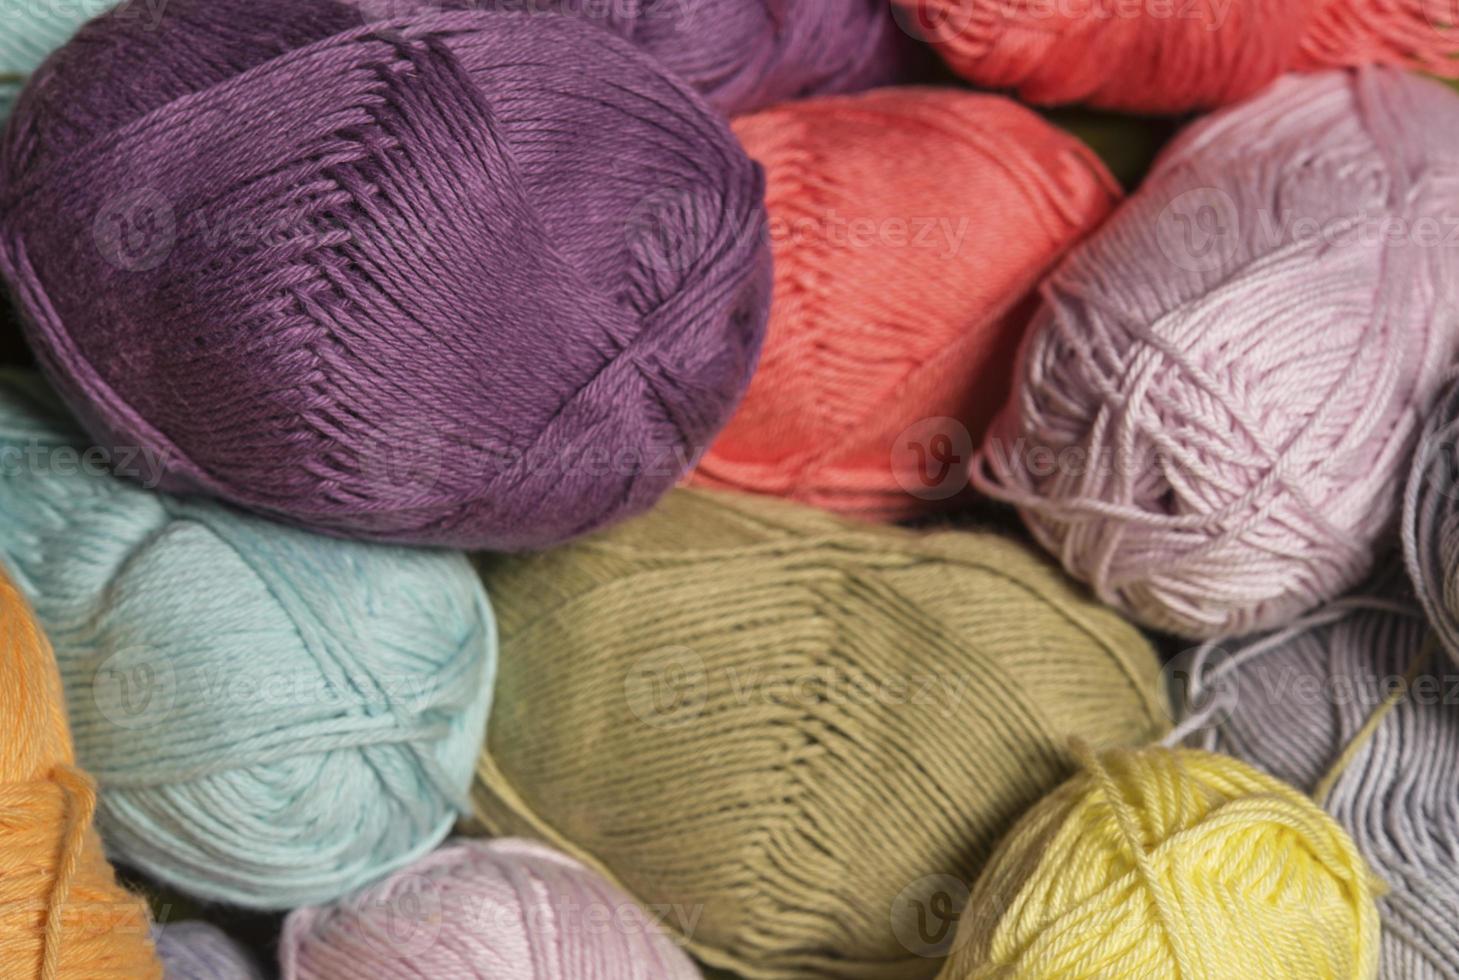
(909, 226)
(64, 915)
(1175, 55)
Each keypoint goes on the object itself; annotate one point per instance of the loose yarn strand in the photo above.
(1355, 744)
(80, 794)
(1128, 822)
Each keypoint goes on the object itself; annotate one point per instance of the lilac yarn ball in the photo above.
(199, 951)
(1215, 405)
(742, 55)
(472, 278)
(484, 910)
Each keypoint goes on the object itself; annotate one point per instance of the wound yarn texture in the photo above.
(273, 717)
(1151, 57)
(1223, 385)
(199, 951)
(741, 55)
(1293, 701)
(790, 723)
(484, 910)
(468, 278)
(29, 32)
(909, 228)
(65, 917)
(1170, 863)
(1430, 529)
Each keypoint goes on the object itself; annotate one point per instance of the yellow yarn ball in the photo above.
(1171, 863)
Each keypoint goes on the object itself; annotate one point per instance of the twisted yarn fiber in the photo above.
(62, 914)
(968, 200)
(1171, 863)
(199, 951)
(1224, 382)
(1430, 530)
(29, 31)
(483, 910)
(1151, 56)
(780, 724)
(473, 278)
(741, 55)
(273, 717)
(1297, 699)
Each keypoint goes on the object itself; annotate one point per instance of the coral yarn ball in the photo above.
(909, 228)
(1175, 55)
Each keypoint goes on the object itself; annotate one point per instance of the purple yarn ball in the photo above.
(481, 279)
(199, 951)
(742, 55)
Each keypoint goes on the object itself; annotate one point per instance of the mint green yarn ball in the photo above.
(273, 718)
(31, 29)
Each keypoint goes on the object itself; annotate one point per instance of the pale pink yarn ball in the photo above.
(1215, 405)
(483, 910)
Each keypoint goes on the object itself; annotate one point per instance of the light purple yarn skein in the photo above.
(483, 910)
(200, 951)
(741, 55)
(1219, 394)
(1291, 702)
(478, 279)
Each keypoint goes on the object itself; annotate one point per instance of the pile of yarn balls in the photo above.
(729, 490)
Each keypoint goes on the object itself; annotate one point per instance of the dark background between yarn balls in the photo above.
(13, 351)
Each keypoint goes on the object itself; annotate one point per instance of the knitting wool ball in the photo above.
(65, 917)
(1430, 529)
(1154, 56)
(741, 55)
(484, 910)
(273, 717)
(1298, 699)
(1223, 384)
(785, 728)
(32, 29)
(468, 278)
(909, 228)
(199, 951)
(1168, 863)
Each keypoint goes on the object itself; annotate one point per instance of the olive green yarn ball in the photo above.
(785, 733)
